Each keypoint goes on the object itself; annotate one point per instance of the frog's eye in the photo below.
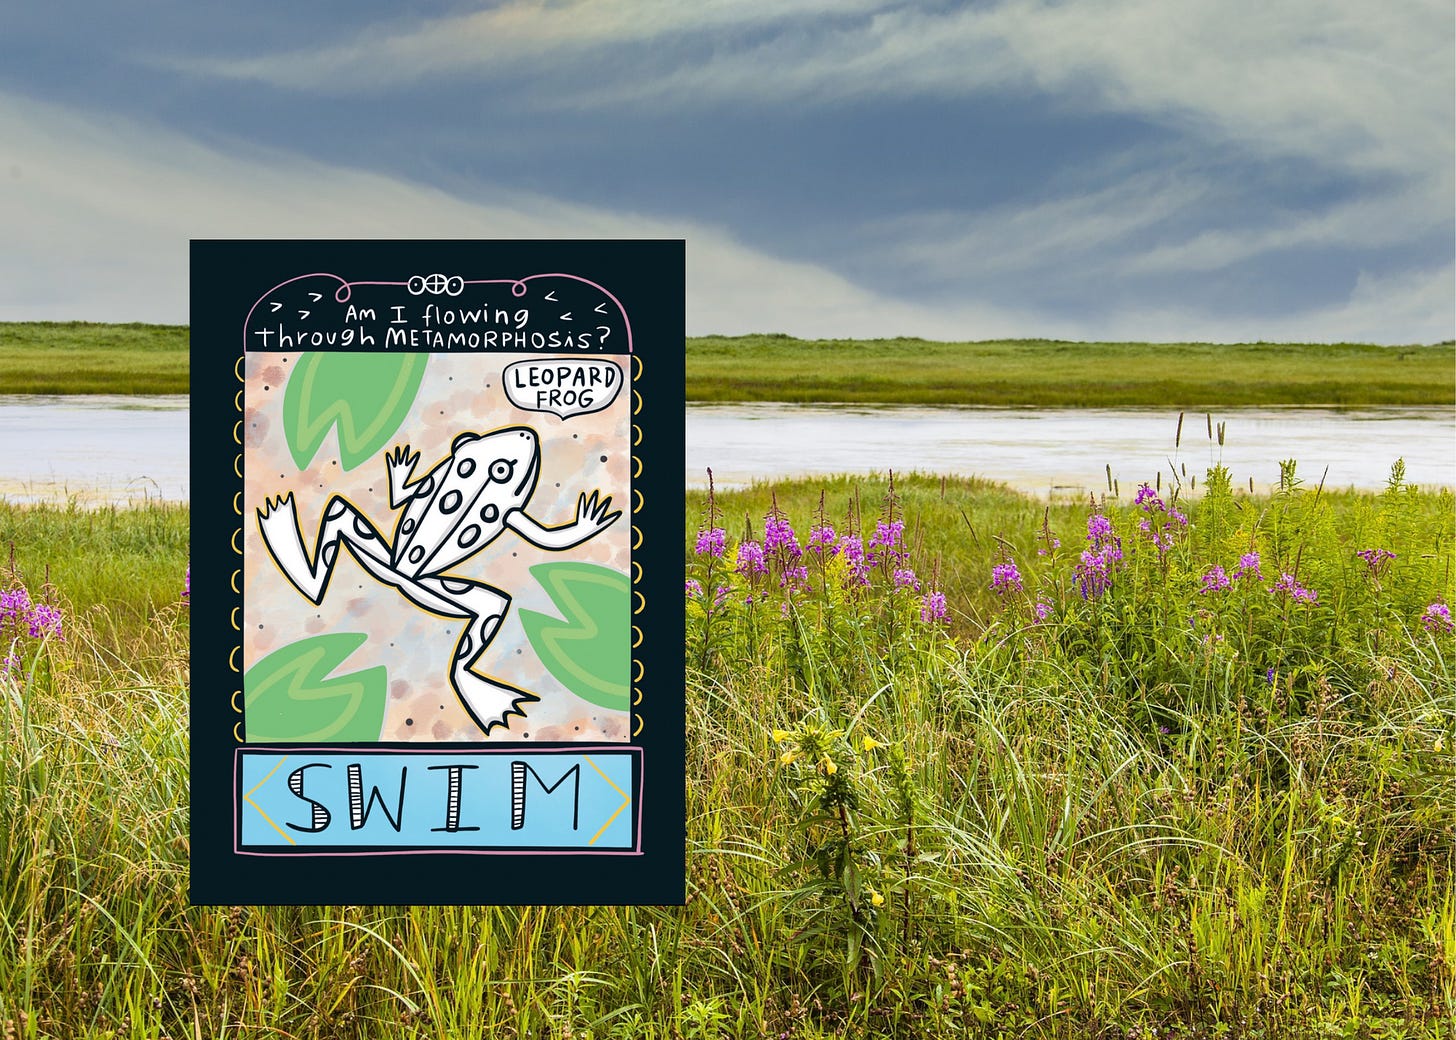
(501, 470)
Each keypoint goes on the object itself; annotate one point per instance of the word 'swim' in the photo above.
(450, 805)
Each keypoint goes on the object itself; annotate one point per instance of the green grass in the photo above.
(84, 358)
(74, 357)
(1101, 825)
(1046, 373)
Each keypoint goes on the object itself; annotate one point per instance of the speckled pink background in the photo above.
(458, 393)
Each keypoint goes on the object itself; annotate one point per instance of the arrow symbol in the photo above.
(303, 315)
(276, 307)
(566, 316)
(600, 308)
(551, 296)
(315, 297)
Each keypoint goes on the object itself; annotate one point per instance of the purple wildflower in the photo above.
(778, 535)
(13, 603)
(1437, 618)
(933, 607)
(1041, 612)
(1288, 586)
(852, 551)
(1094, 573)
(750, 559)
(1162, 522)
(1269, 675)
(44, 620)
(712, 542)
(905, 579)
(795, 578)
(1248, 566)
(692, 588)
(187, 583)
(1377, 561)
(1005, 579)
(887, 535)
(884, 544)
(1215, 581)
(821, 538)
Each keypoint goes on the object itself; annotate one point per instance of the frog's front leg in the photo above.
(490, 701)
(592, 518)
(400, 463)
(278, 522)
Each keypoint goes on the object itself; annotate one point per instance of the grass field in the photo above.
(1121, 788)
(125, 359)
(84, 358)
(1046, 373)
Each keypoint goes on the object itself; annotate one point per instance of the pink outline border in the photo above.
(518, 288)
(365, 749)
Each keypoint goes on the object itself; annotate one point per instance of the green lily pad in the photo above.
(289, 698)
(366, 396)
(587, 649)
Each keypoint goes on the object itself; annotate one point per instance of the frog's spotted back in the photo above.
(460, 506)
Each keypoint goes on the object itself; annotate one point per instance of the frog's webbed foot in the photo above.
(490, 702)
(400, 463)
(278, 522)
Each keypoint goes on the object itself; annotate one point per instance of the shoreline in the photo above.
(83, 359)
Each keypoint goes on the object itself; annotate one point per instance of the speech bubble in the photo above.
(563, 386)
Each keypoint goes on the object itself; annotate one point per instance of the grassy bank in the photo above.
(126, 359)
(1079, 797)
(1047, 373)
(84, 358)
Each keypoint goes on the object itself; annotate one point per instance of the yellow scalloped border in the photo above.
(236, 651)
(638, 669)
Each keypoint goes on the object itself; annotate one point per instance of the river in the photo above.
(93, 449)
(1068, 451)
(100, 449)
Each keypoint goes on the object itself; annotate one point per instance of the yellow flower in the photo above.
(869, 744)
(876, 899)
(1440, 743)
(788, 758)
(781, 735)
(829, 767)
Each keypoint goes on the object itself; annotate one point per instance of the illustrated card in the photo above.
(437, 570)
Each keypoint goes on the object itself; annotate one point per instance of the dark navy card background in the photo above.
(645, 863)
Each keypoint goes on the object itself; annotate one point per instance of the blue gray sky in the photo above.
(1089, 169)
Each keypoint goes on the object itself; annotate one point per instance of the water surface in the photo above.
(1067, 451)
(93, 448)
(98, 449)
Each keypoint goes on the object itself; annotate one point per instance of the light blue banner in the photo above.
(295, 800)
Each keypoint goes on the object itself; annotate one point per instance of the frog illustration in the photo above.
(460, 506)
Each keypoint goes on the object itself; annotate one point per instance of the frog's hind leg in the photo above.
(490, 701)
(278, 522)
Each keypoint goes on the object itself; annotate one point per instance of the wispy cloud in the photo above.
(1063, 232)
(98, 214)
(1359, 86)
(98, 219)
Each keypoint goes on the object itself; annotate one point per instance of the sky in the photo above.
(1088, 169)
